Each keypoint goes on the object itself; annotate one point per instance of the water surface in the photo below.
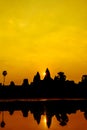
(41, 115)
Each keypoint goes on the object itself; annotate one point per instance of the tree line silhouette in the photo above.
(60, 109)
(58, 87)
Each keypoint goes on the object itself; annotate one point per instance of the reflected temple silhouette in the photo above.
(58, 108)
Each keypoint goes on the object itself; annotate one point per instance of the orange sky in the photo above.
(36, 34)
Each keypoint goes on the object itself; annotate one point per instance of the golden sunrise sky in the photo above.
(36, 34)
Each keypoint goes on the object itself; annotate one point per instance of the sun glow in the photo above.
(45, 120)
(44, 73)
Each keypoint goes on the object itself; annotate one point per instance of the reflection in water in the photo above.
(48, 109)
(45, 120)
(2, 122)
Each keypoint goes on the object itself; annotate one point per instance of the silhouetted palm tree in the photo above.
(61, 76)
(84, 78)
(4, 73)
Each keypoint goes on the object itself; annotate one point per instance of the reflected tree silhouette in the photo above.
(85, 115)
(2, 122)
(62, 118)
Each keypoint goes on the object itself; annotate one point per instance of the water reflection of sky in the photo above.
(17, 121)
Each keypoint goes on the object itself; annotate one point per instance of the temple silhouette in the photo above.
(58, 87)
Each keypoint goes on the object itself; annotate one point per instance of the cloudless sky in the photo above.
(36, 34)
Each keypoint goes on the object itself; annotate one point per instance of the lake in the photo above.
(43, 114)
